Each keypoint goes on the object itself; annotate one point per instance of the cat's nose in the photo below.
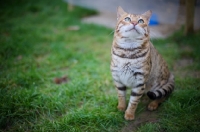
(134, 23)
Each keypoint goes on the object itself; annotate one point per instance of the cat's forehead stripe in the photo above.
(134, 15)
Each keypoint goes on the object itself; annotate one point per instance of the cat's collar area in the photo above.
(131, 45)
(124, 39)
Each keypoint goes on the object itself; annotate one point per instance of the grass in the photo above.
(37, 46)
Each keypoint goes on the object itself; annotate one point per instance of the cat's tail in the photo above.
(163, 91)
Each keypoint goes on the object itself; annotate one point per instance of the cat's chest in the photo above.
(124, 70)
(124, 65)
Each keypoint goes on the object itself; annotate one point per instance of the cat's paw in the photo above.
(121, 108)
(153, 106)
(129, 116)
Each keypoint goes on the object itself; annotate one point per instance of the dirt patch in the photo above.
(180, 68)
(142, 118)
(184, 67)
(182, 63)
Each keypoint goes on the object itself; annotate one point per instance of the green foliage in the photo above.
(181, 111)
(149, 127)
(37, 45)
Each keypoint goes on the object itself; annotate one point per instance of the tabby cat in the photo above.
(136, 64)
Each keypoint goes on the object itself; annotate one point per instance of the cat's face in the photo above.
(132, 26)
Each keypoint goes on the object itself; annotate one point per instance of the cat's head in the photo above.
(132, 26)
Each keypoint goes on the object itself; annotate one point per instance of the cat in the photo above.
(136, 64)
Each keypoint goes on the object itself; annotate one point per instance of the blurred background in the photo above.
(168, 15)
(55, 59)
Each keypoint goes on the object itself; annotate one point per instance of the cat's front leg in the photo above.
(121, 98)
(121, 91)
(136, 93)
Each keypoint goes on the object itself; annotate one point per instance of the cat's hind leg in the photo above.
(153, 105)
(163, 89)
(160, 93)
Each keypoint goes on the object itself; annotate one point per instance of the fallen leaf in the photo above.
(59, 80)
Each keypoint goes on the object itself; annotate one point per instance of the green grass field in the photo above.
(38, 43)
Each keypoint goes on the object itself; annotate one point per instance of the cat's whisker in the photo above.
(111, 33)
(152, 34)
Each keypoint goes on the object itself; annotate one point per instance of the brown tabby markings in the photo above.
(136, 64)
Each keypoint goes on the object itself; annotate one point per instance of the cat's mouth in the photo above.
(133, 28)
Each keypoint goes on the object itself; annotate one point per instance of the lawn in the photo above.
(43, 41)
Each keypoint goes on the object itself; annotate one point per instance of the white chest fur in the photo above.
(124, 70)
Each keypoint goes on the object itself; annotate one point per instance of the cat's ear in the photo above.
(147, 14)
(120, 12)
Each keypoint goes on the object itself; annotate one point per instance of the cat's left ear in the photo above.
(120, 12)
(147, 14)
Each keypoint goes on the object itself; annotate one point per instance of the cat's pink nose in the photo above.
(134, 23)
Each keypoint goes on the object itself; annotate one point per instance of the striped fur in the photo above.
(136, 64)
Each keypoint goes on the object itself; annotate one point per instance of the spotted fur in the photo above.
(136, 64)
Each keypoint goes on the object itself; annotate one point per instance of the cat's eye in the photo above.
(128, 19)
(141, 21)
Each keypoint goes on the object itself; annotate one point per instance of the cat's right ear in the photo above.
(120, 12)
